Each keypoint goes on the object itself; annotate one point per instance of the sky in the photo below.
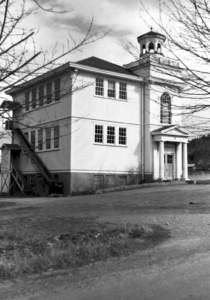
(120, 19)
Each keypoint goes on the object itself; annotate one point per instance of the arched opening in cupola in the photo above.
(158, 48)
(143, 49)
(151, 47)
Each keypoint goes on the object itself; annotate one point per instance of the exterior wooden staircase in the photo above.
(40, 166)
(21, 181)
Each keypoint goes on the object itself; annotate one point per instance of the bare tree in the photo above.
(187, 29)
(20, 58)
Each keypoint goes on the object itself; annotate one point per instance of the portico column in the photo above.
(178, 161)
(155, 157)
(161, 160)
(185, 168)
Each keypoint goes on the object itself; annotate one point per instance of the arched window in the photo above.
(151, 48)
(165, 108)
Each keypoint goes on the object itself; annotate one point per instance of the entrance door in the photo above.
(168, 166)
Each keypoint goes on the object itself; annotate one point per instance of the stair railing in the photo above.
(17, 178)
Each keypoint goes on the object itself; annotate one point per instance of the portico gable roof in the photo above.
(171, 133)
(171, 130)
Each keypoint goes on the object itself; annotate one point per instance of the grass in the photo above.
(37, 245)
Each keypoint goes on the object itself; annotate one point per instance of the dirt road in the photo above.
(176, 269)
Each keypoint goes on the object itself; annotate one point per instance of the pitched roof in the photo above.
(104, 65)
(163, 128)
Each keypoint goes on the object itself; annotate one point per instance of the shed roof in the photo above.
(11, 147)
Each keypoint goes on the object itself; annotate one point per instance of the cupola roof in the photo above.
(151, 34)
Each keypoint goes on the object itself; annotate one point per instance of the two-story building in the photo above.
(90, 124)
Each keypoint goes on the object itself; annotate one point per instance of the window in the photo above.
(34, 98)
(56, 136)
(123, 91)
(99, 87)
(49, 92)
(32, 181)
(56, 177)
(26, 135)
(98, 134)
(57, 89)
(111, 89)
(48, 138)
(40, 139)
(110, 135)
(165, 108)
(98, 182)
(121, 180)
(33, 139)
(27, 99)
(122, 136)
(41, 95)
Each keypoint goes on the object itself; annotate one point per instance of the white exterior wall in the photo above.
(88, 110)
(55, 113)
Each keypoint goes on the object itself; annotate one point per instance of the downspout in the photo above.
(70, 138)
(142, 130)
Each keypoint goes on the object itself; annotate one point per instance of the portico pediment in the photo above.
(170, 133)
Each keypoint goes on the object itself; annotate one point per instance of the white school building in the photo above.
(90, 124)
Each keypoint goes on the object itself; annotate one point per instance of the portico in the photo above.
(170, 153)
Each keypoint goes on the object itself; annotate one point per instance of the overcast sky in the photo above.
(120, 17)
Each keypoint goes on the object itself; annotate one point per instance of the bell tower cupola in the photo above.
(150, 43)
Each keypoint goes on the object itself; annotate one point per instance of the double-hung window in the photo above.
(40, 139)
(26, 135)
(57, 89)
(48, 137)
(99, 134)
(122, 136)
(33, 139)
(56, 136)
(49, 92)
(27, 100)
(99, 87)
(110, 135)
(41, 95)
(123, 91)
(111, 89)
(34, 98)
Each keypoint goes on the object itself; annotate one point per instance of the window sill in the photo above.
(166, 124)
(47, 150)
(44, 106)
(109, 98)
(111, 145)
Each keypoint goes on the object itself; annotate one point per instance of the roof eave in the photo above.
(73, 66)
(106, 72)
(55, 71)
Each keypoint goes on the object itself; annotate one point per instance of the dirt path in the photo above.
(176, 269)
(179, 269)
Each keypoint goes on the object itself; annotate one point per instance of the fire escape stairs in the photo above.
(35, 158)
(21, 181)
